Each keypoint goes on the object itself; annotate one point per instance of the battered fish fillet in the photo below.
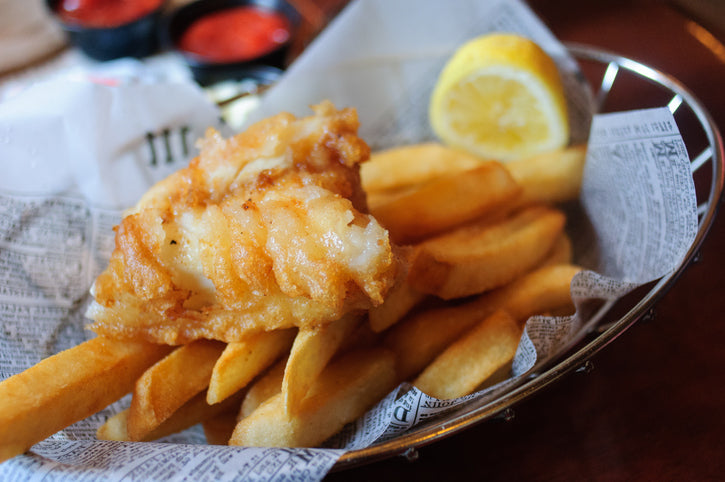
(264, 230)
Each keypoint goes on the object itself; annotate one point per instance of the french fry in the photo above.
(405, 166)
(114, 428)
(551, 177)
(446, 201)
(419, 338)
(241, 361)
(192, 412)
(376, 199)
(399, 301)
(313, 347)
(67, 387)
(473, 358)
(543, 290)
(560, 253)
(171, 382)
(263, 388)
(482, 256)
(343, 392)
(397, 304)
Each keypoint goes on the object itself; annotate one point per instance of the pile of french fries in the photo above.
(486, 249)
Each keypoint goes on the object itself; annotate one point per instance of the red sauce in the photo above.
(236, 34)
(104, 13)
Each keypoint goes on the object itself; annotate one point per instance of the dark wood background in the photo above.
(652, 408)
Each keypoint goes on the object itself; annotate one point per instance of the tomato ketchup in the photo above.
(104, 13)
(236, 34)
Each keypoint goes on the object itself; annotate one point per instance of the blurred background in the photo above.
(32, 32)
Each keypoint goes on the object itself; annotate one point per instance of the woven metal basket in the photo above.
(624, 84)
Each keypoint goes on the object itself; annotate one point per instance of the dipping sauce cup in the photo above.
(232, 39)
(110, 29)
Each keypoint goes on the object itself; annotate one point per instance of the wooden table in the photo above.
(652, 408)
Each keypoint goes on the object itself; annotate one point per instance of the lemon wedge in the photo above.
(500, 96)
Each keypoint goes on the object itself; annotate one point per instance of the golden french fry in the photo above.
(114, 428)
(561, 252)
(313, 347)
(192, 412)
(446, 201)
(343, 392)
(482, 256)
(551, 177)
(241, 361)
(397, 304)
(399, 300)
(263, 388)
(171, 382)
(419, 338)
(67, 387)
(472, 359)
(543, 290)
(382, 198)
(404, 166)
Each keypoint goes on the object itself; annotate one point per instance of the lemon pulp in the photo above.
(500, 96)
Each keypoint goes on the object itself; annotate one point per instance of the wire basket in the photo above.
(624, 84)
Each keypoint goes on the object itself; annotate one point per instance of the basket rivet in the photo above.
(649, 316)
(586, 368)
(411, 454)
(508, 415)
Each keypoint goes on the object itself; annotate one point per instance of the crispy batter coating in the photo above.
(264, 230)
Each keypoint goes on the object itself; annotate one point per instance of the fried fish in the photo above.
(265, 230)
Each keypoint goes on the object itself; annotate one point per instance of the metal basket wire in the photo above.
(624, 84)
